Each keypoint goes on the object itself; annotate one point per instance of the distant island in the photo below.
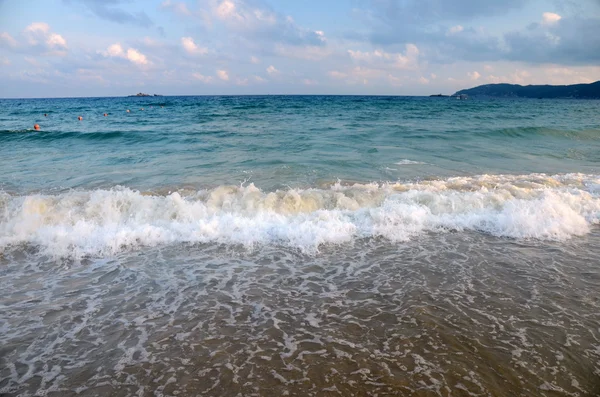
(575, 91)
(142, 94)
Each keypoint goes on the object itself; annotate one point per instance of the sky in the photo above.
(83, 48)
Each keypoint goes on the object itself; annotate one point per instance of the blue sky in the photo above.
(62, 48)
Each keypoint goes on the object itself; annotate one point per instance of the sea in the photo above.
(299, 246)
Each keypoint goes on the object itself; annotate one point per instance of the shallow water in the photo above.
(300, 246)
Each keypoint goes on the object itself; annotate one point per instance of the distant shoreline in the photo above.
(574, 91)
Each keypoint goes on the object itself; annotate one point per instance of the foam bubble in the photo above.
(103, 222)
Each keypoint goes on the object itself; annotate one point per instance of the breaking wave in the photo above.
(103, 222)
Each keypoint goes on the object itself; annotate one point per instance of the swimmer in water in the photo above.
(105, 114)
(79, 118)
(36, 127)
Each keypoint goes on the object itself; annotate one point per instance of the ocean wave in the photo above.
(524, 132)
(103, 222)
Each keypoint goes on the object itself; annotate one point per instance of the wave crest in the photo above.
(104, 222)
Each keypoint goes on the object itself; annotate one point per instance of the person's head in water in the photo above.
(45, 114)
(79, 118)
(105, 114)
(36, 127)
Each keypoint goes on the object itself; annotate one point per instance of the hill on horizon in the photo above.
(504, 90)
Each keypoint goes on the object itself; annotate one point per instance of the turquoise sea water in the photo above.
(309, 245)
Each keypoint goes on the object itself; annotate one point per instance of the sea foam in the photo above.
(104, 222)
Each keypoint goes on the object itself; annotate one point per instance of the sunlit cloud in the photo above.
(223, 75)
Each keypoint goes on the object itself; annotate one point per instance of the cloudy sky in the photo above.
(52, 48)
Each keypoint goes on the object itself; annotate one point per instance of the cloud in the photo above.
(272, 70)
(38, 38)
(191, 47)
(310, 53)
(259, 79)
(380, 58)
(177, 7)
(573, 41)
(223, 75)
(7, 40)
(336, 74)
(109, 11)
(202, 78)
(550, 18)
(132, 54)
(115, 50)
(454, 30)
(38, 33)
(136, 57)
(254, 21)
(254, 60)
(474, 75)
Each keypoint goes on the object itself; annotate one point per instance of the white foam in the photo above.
(409, 162)
(103, 222)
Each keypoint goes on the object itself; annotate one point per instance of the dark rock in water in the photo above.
(439, 96)
(142, 94)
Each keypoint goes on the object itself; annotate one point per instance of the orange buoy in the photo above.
(36, 127)
(105, 114)
(79, 118)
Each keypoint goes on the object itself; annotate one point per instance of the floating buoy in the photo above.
(36, 127)
(105, 114)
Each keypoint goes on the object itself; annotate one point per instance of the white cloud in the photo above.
(309, 82)
(227, 10)
(223, 75)
(8, 39)
(423, 80)
(56, 40)
(38, 27)
(202, 78)
(136, 57)
(178, 7)
(474, 75)
(115, 50)
(132, 55)
(241, 81)
(272, 70)
(488, 68)
(433, 76)
(380, 59)
(38, 33)
(254, 60)
(259, 79)
(454, 30)
(191, 48)
(550, 18)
